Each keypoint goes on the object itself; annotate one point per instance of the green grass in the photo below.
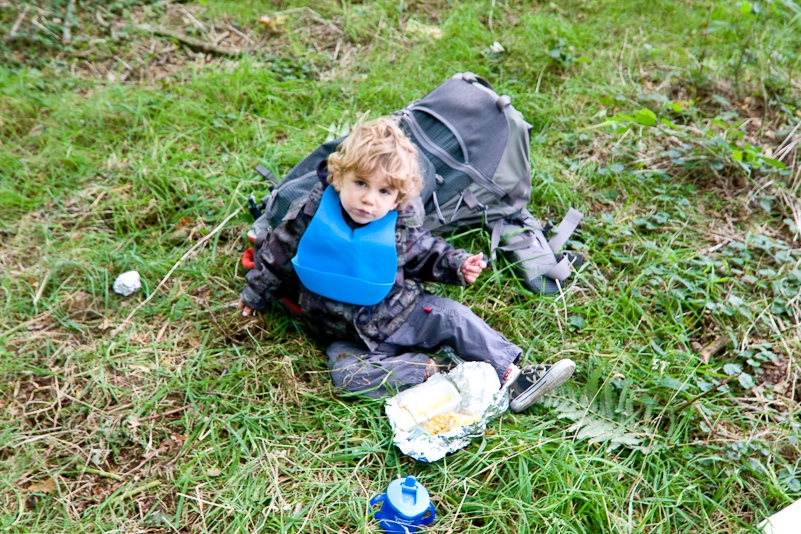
(190, 418)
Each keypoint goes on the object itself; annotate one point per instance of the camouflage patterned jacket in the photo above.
(421, 257)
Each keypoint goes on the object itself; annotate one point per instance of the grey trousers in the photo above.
(395, 366)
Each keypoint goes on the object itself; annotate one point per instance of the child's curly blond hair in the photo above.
(379, 146)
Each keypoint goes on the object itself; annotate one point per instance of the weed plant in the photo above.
(674, 126)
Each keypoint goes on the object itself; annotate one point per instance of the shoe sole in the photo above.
(557, 375)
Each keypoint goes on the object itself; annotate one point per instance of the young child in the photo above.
(355, 250)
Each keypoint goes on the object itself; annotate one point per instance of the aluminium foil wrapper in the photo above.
(482, 397)
(127, 283)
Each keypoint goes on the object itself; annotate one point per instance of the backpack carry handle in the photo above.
(472, 78)
(267, 175)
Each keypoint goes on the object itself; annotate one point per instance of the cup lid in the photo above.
(408, 497)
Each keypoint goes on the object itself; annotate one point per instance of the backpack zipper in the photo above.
(476, 175)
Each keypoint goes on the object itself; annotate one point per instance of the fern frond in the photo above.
(610, 419)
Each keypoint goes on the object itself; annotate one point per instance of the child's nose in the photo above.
(369, 197)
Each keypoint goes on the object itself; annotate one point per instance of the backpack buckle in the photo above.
(256, 210)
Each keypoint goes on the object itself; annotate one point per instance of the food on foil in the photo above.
(431, 420)
(447, 422)
(419, 404)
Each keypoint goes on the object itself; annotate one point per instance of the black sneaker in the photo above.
(442, 362)
(538, 380)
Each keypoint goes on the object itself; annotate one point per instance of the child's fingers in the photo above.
(473, 261)
(246, 311)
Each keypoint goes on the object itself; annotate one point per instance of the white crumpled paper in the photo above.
(482, 396)
(127, 283)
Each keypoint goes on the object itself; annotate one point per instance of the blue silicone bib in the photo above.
(354, 266)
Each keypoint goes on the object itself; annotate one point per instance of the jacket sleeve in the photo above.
(432, 259)
(273, 276)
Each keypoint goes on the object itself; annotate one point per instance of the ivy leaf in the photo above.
(576, 321)
(732, 369)
(746, 380)
(737, 155)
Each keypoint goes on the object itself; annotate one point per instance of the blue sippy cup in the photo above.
(405, 503)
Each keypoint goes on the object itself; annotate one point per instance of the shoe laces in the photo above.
(535, 372)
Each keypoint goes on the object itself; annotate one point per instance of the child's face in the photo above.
(366, 199)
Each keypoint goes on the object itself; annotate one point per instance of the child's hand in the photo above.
(472, 267)
(245, 310)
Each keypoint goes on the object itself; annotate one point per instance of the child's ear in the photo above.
(334, 180)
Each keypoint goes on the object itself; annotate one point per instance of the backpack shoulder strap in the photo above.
(565, 229)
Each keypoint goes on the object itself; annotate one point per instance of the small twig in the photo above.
(18, 23)
(787, 139)
(213, 318)
(191, 41)
(718, 246)
(627, 132)
(42, 285)
(220, 37)
(225, 506)
(620, 58)
(131, 493)
(67, 35)
(42, 27)
(239, 33)
(459, 508)
(539, 79)
(713, 348)
(199, 25)
(94, 472)
(167, 277)
(705, 393)
(170, 412)
(712, 430)
(100, 20)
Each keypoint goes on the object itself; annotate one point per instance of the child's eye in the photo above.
(386, 191)
(360, 183)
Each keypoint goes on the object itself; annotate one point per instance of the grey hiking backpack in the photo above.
(474, 157)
